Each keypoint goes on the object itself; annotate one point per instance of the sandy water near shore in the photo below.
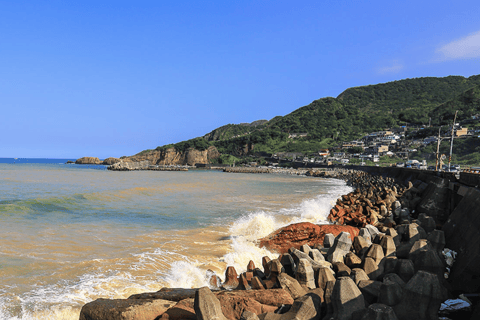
(69, 235)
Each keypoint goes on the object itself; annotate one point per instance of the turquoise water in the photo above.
(71, 233)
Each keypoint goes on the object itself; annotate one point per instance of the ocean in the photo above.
(70, 234)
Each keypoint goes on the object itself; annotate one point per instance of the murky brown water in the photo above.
(69, 235)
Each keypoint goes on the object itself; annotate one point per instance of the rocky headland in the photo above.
(401, 244)
(171, 156)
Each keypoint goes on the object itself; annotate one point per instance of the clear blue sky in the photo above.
(112, 78)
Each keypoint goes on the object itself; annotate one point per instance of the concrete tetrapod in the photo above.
(207, 306)
(346, 299)
(378, 311)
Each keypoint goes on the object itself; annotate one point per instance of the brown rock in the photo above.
(125, 309)
(88, 160)
(173, 157)
(110, 161)
(231, 278)
(298, 234)
(183, 310)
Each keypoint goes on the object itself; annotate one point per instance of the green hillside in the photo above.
(354, 113)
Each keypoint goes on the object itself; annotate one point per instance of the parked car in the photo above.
(400, 164)
(431, 168)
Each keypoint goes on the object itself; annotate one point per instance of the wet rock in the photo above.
(257, 283)
(171, 294)
(298, 234)
(243, 283)
(231, 278)
(128, 309)
(265, 261)
(250, 266)
(183, 310)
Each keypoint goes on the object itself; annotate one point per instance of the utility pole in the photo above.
(451, 142)
(438, 148)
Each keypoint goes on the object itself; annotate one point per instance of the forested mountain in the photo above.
(354, 113)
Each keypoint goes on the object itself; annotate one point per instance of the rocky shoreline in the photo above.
(380, 259)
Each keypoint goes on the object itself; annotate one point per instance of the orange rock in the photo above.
(298, 234)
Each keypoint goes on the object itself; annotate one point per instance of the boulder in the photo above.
(88, 160)
(183, 310)
(110, 161)
(248, 315)
(234, 305)
(171, 294)
(298, 234)
(272, 297)
(125, 309)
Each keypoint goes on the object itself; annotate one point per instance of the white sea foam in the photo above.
(246, 230)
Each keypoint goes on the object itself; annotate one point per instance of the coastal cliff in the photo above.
(171, 156)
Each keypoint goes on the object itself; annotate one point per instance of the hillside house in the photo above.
(461, 132)
(324, 153)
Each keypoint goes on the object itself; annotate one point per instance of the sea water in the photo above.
(70, 234)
